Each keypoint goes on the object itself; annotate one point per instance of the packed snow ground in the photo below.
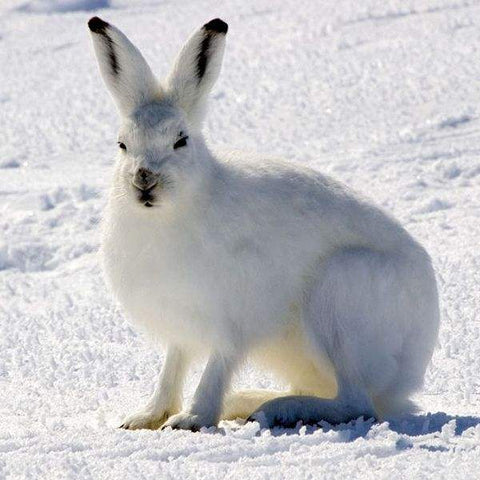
(385, 96)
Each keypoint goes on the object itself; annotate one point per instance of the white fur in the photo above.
(243, 256)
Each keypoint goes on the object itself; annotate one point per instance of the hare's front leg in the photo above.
(167, 397)
(208, 399)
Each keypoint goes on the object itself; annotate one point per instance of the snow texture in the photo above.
(52, 6)
(382, 95)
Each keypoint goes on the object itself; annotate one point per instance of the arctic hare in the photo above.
(234, 256)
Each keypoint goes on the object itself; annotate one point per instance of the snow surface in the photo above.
(383, 95)
(50, 6)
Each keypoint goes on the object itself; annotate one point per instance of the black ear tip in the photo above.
(216, 25)
(97, 25)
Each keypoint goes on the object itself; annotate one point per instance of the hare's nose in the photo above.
(144, 179)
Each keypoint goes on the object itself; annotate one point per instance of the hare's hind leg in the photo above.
(375, 316)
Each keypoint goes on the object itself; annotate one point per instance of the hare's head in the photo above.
(160, 138)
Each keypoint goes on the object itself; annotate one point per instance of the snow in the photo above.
(51, 6)
(382, 95)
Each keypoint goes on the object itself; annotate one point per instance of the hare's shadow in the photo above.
(411, 425)
(414, 425)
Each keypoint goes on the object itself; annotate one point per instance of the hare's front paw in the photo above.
(188, 421)
(145, 419)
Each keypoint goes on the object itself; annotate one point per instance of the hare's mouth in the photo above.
(145, 197)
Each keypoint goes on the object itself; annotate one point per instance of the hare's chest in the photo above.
(163, 280)
(193, 285)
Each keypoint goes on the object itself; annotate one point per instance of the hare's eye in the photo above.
(180, 143)
(122, 145)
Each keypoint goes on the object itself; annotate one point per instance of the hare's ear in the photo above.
(196, 69)
(124, 70)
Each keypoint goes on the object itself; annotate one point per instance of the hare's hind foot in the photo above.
(287, 411)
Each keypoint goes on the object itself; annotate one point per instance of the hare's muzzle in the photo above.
(144, 181)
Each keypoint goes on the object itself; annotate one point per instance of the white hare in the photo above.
(234, 256)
